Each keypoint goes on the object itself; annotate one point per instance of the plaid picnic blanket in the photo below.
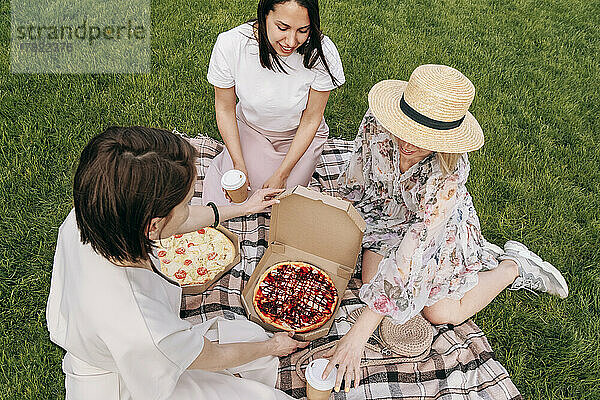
(461, 363)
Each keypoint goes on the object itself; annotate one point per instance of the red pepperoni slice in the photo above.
(166, 261)
(180, 250)
(180, 274)
(162, 253)
(212, 256)
(201, 231)
(190, 244)
(178, 236)
(202, 271)
(187, 262)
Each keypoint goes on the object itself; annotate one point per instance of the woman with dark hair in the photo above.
(114, 313)
(282, 69)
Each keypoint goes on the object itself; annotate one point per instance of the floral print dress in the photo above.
(422, 222)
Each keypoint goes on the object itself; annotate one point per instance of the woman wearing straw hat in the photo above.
(423, 247)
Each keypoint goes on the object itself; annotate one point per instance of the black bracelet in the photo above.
(216, 211)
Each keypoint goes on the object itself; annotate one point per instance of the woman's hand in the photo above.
(242, 167)
(260, 200)
(282, 344)
(347, 354)
(217, 357)
(276, 181)
(239, 167)
(348, 351)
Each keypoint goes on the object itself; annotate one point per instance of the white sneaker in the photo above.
(495, 251)
(534, 273)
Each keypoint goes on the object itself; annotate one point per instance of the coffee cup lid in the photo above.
(314, 371)
(233, 179)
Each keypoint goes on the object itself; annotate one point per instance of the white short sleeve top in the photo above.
(270, 100)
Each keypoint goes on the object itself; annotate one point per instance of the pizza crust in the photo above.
(326, 286)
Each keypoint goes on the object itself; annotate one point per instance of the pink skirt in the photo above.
(263, 153)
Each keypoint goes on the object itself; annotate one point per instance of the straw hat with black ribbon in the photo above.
(429, 111)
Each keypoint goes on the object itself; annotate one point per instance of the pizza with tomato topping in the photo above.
(295, 296)
(195, 257)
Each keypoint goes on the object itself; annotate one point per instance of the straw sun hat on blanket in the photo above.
(429, 111)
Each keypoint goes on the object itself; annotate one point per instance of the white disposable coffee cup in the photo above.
(318, 388)
(235, 183)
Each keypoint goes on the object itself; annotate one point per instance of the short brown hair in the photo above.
(127, 176)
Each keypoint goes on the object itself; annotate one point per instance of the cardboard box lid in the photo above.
(315, 222)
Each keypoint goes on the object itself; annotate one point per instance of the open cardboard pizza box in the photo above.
(315, 228)
(199, 288)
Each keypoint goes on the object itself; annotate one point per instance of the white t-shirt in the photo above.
(270, 100)
(123, 335)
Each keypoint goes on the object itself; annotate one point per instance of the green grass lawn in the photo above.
(537, 179)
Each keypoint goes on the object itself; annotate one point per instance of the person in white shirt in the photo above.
(282, 69)
(110, 308)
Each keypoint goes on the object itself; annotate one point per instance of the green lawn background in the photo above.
(537, 179)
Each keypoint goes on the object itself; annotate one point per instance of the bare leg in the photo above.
(370, 262)
(491, 283)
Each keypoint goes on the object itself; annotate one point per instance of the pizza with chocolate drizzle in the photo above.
(295, 296)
